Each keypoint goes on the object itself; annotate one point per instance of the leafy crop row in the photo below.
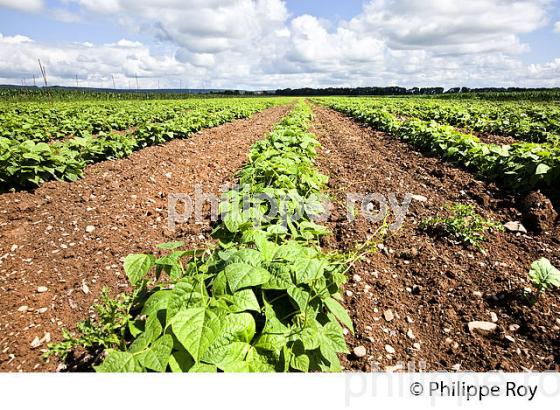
(522, 165)
(29, 162)
(524, 121)
(265, 298)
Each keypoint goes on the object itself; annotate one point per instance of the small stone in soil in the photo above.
(359, 351)
(357, 278)
(42, 289)
(477, 294)
(514, 328)
(410, 334)
(416, 346)
(389, 349)
(515, 226)
(450, 342)
(90, 228)
(493, 317)
(482, 328)
(419, 198)
(23, 308)
(395, 368)
(42, 310)
(349, 293)
(388, 315)
(36, 342)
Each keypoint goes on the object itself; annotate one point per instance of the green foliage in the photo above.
(105, 331)
(519, 166)
(544, 275)
(40, 142)
(462, 224)
(263, 299)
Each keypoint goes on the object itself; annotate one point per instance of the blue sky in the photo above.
(274, 43)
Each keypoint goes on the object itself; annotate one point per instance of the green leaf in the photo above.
(542, 169)
(544, 275)
(340, 313)
(157, 356)
(310, 335)
(181, 361)
(119, 362)
(300, 296)
(308, 269)
(228, 353)
(152, 331)
(242, 275)
(183, 295)
(266, 247)
(171, 245)
(247, 256)
(299, 360)
(274, 335)
(137, 266)
(203, 368)
(196, 329)
(238, 327)
(156, 302)
(245, 299)
(280, 277)
(332, 337)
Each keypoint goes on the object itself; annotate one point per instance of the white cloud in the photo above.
(17, 39)
(557, 27)
(547, 71)
(258, 44)
(65, 16)
(31, 6)
(127, 43)
(94, 64)
(443, 24)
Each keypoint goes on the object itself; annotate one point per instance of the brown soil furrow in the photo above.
(433, 287)
(44, 242)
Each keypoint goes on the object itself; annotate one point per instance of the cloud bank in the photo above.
(255, 44)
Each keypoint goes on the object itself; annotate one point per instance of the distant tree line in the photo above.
(28, 93)
(405, 91)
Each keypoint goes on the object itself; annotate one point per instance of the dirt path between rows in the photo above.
(412, 300)
(71, 238)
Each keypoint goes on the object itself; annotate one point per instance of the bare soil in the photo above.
(432, 287)
(44, 242)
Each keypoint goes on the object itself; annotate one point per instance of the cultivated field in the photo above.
(347, 234)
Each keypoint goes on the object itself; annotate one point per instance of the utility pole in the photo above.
(34, 85)
(114, 86)
(136, 75)
(77, 83)
(43, 72)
